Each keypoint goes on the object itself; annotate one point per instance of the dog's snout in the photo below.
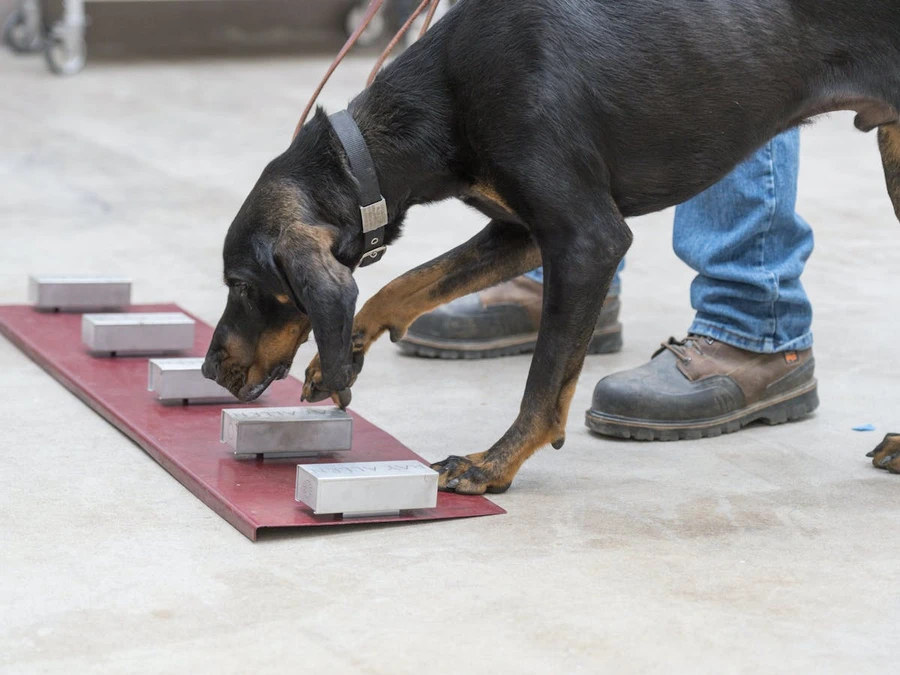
(210, 367)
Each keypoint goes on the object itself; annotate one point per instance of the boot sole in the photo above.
(607, 342)
(786, 408)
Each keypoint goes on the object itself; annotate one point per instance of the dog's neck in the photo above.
(409, 142)
(405, 118)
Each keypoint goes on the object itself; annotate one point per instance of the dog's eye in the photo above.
(240, 289)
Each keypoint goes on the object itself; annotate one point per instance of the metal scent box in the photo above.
(71, 294)
(360, 489)
(180, 381)
(286, 432)
(130, 334)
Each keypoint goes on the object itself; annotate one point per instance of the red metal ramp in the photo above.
(184, 440)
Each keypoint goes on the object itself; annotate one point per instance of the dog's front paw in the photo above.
(471, 475)
(314, 391)
(887, 454)
(315, 388)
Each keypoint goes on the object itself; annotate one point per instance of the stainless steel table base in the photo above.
(306, 431)
(134, 334)
(179, 381)
(370, 514)
(78, 294)
(366, 489)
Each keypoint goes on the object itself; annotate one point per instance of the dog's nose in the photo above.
(210, 368)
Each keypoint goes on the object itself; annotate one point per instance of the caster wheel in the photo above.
(65, 56)
(20, 35)
(370, 35)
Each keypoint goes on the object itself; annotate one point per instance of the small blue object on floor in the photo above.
(864, 427)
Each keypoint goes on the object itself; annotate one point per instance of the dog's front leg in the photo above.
(497, 253)
(580, 256)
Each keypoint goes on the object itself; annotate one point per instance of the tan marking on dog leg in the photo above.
(887, 454)
(419, 291)
(541, 421)
(493, 471)
(489, 193)
(889, 144)
(471, 267)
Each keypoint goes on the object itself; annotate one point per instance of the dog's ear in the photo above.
(325, 290)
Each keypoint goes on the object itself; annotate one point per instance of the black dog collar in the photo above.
(372, 205)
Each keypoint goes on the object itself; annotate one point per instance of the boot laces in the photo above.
(686, 348)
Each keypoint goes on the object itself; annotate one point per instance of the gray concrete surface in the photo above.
(773, 550)
(7, 6)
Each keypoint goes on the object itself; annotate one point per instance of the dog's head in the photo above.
(285, 277)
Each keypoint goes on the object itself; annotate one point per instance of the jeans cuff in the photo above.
(751, 343)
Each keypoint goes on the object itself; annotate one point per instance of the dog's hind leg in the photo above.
(499, 252)
(582, 241)
(887, 454)
(889, 144)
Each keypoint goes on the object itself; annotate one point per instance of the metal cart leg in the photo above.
(65, 48)
(23, 29)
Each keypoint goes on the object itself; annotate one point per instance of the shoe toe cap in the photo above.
(658, 391)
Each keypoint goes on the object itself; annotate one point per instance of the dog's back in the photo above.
(671, 94)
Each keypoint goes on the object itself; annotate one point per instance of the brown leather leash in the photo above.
(399, 36)
(371, 11)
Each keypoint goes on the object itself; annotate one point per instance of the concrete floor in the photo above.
(773, 550)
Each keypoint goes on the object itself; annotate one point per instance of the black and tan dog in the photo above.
(558, 119)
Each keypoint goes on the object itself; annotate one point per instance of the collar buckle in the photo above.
(362, 168)
(374, 216)
(372, 256)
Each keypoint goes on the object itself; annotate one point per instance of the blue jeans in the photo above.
(749, 247)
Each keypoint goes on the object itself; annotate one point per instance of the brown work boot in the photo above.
(700, 387)
(500, 321)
